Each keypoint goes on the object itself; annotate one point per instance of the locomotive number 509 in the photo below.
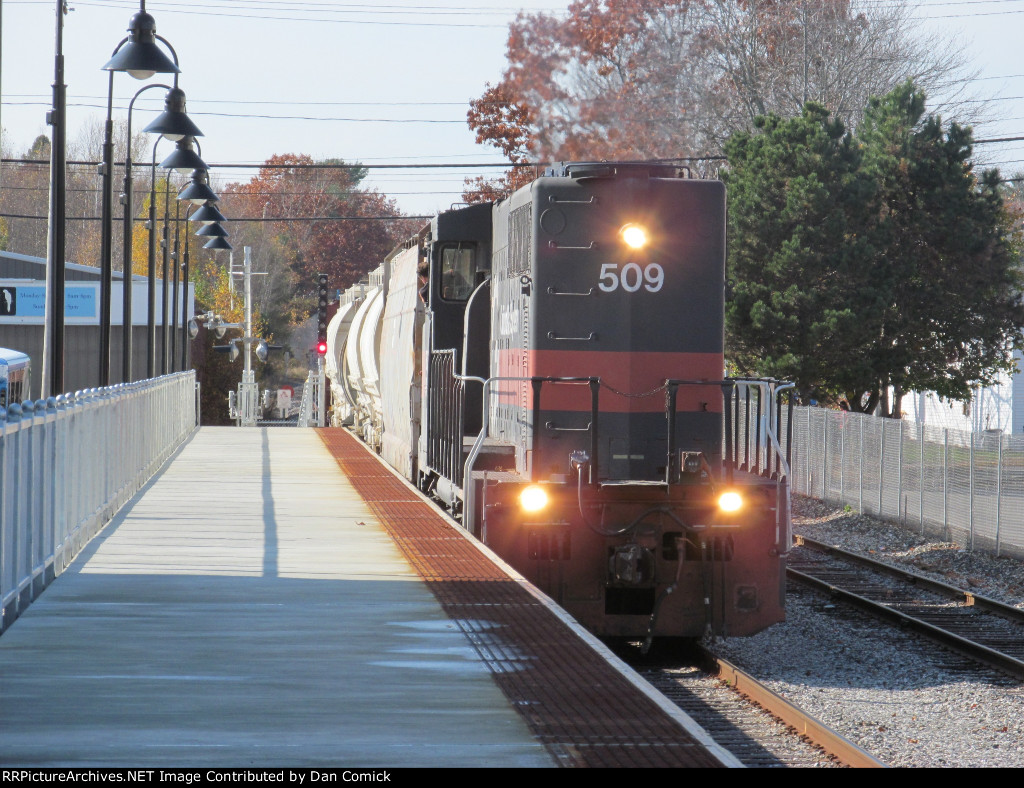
(631, 278)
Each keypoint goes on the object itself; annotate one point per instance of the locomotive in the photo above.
(551, 368)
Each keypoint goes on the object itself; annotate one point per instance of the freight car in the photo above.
(550, 367)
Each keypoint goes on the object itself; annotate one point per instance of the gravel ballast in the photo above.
(900, 697)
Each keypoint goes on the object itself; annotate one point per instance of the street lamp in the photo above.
(174, 124)
(139, 56)
(200, 189)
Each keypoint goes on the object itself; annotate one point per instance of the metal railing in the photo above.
(446, 417)
(967, 486)
(67, 464)
(312, 405)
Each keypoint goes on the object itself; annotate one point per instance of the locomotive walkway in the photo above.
(247, 609)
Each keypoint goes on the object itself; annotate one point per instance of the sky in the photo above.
(377, 83)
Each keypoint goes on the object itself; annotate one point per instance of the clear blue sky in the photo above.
(360, 81)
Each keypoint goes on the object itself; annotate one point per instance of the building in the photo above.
(22, 322)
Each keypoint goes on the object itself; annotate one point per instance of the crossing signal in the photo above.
(321, 319)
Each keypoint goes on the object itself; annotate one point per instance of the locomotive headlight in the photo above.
(634, 236)
(730, 501)
(533, 498)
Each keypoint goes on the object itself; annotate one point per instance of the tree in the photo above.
(622, 79)
(947, 257)
(796, 256)
(291, 192)
(869, 262)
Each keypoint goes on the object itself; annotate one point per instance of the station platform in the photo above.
(278, 598)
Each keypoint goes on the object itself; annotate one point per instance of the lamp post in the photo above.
(140, 57)
(151, 325)
(126, 341)
(53, 333)
(173, 124)
(165, 247)
(198, 193)
(206, 214)
(174, 297)
(151, 273)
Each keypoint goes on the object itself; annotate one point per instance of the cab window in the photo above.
(457, 268)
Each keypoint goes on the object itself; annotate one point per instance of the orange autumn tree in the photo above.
(315, 217)
(672, 79)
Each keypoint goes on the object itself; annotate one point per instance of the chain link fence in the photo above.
(962, 486)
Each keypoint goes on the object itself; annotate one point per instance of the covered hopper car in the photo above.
(550, 367)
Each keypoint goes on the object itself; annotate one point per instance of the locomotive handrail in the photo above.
(553, 199)
(553, 336)
(469, 491)
(554, 245)
(768, 422)
(555, 428)
(552, 291)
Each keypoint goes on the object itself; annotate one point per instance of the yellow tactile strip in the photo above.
(584, 711)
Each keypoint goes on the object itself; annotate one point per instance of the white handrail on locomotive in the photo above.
(15, 377)
(768, 424)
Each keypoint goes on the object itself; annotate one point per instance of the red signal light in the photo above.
(321, 348)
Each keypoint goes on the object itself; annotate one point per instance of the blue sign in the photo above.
(26, 303)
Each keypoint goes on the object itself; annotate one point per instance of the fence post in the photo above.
(899, 478)
(881, 466)
(920, 480)
(824, 458)
(970, 500)
(945, 483)
(807, 451)
(999, 489)
(842, 457)
(860, 470)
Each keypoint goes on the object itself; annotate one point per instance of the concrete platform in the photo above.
(246, 609)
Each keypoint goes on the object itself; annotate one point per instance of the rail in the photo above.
(68, 463)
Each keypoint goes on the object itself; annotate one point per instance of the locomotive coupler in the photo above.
(631, 565)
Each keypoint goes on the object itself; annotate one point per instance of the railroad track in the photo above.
(760, 727)
(977, 627)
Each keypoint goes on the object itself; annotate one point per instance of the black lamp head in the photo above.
(184, 159)
(198, 191)
(139, 55)
(208, 214)
(214, 230)
(173, 123)
(218, 242)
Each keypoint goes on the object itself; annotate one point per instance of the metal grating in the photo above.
(579, 706)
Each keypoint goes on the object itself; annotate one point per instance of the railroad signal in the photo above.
(321, 321)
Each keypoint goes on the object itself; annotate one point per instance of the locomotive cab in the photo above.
(457, 258)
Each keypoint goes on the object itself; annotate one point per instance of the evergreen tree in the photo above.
(860, 263)
(796, 193)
